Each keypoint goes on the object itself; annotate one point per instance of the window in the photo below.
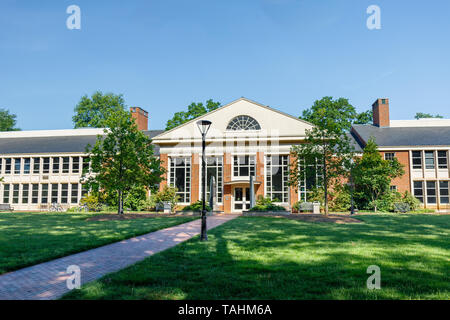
(443, 192)
(44, 193)
(313, 177)
(25, 193)
(383, 101)
(85, 164)
(15, 193)
(418, 190)
(180, 177)
(8, 166)
(26, 165)
(35, 193)
(55, 168)
(6, 190)
(84, 191)
(244, 166)
(74, 193)
(429, 159)
(277, 175)
(442, 160)
(36, 165)
(431, 192)
(64, 192)
(17, 165)
(75, 164)
(55, 192)
(214, 168)
(393, 188)
(243, 123)
(1, 165)
(417, 159)
(46, 165)
(389, 156)
(66, 163)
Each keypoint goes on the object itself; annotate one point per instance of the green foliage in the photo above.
(149, 204)
(364, 117)
(122, 159)
(412, 201)
(266, 204)
(195, 110)
(92, 203)
(402, 207)
(167, 194)
(335, 115)
(296, 206)
(421, 115)
(94, 111)
(7, 121)
(134, 198)
(372, 176)
(197, 207)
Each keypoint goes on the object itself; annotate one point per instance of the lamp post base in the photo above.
(203, 235)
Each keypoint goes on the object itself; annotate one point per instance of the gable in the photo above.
(272, 123)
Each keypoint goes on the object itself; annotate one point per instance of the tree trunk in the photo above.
(120, 194)
(325, 184)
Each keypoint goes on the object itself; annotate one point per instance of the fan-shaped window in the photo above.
(243, 123)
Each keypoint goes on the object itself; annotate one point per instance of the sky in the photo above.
(163, 55)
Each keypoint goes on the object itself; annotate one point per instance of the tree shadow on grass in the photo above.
(265, 258)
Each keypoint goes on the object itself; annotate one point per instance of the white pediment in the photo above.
(273, 123)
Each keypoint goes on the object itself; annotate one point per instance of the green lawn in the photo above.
(270, 258)
(30, 238)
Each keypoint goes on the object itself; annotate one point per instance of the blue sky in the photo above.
(163, 55)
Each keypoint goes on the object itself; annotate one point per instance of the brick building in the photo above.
(245, 139)
(422, 146)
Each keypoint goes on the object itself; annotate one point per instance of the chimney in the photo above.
(380, 110)
(141, 118)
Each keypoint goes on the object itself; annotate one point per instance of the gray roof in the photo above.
(403, 136)
(57, 144)
(354, 142)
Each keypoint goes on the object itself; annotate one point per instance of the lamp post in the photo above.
(352, 186)
(203, 126)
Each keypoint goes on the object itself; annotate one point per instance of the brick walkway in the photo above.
(47, 280)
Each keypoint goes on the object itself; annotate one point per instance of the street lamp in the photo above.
(203, 126)
(352, 186)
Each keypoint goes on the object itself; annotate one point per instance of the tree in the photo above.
(364, 117)
(338, 113)
(421, 115)
(372, 175)
(7, 121)
(325, 156)
(122, 159)
(93, 112)
(195, 110)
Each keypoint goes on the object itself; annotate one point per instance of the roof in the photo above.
(233, 102)
(354, 143)
(56, 144)
(402, 136)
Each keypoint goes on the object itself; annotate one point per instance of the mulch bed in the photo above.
(129, 216)
(331, 218)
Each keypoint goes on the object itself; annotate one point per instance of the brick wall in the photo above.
(195, 177)
(165, 164)
(403, 182)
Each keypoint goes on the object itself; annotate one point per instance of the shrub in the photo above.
(92, 203)
(402, 207)
(167, 194)
(266, 204)
(196, 207)
(412, 201)
(134, 198)
(296, 206)
(149, 204)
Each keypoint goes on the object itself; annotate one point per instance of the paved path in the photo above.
(47, 280)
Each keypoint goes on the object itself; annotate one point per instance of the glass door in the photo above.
(241, 199)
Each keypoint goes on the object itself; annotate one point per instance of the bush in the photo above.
(149, 204)
(167, 194)
(266, 204)
(412, 201)
(196, 207)
(402, 207)
(133, 198)
(92, 203)
(296, 206)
